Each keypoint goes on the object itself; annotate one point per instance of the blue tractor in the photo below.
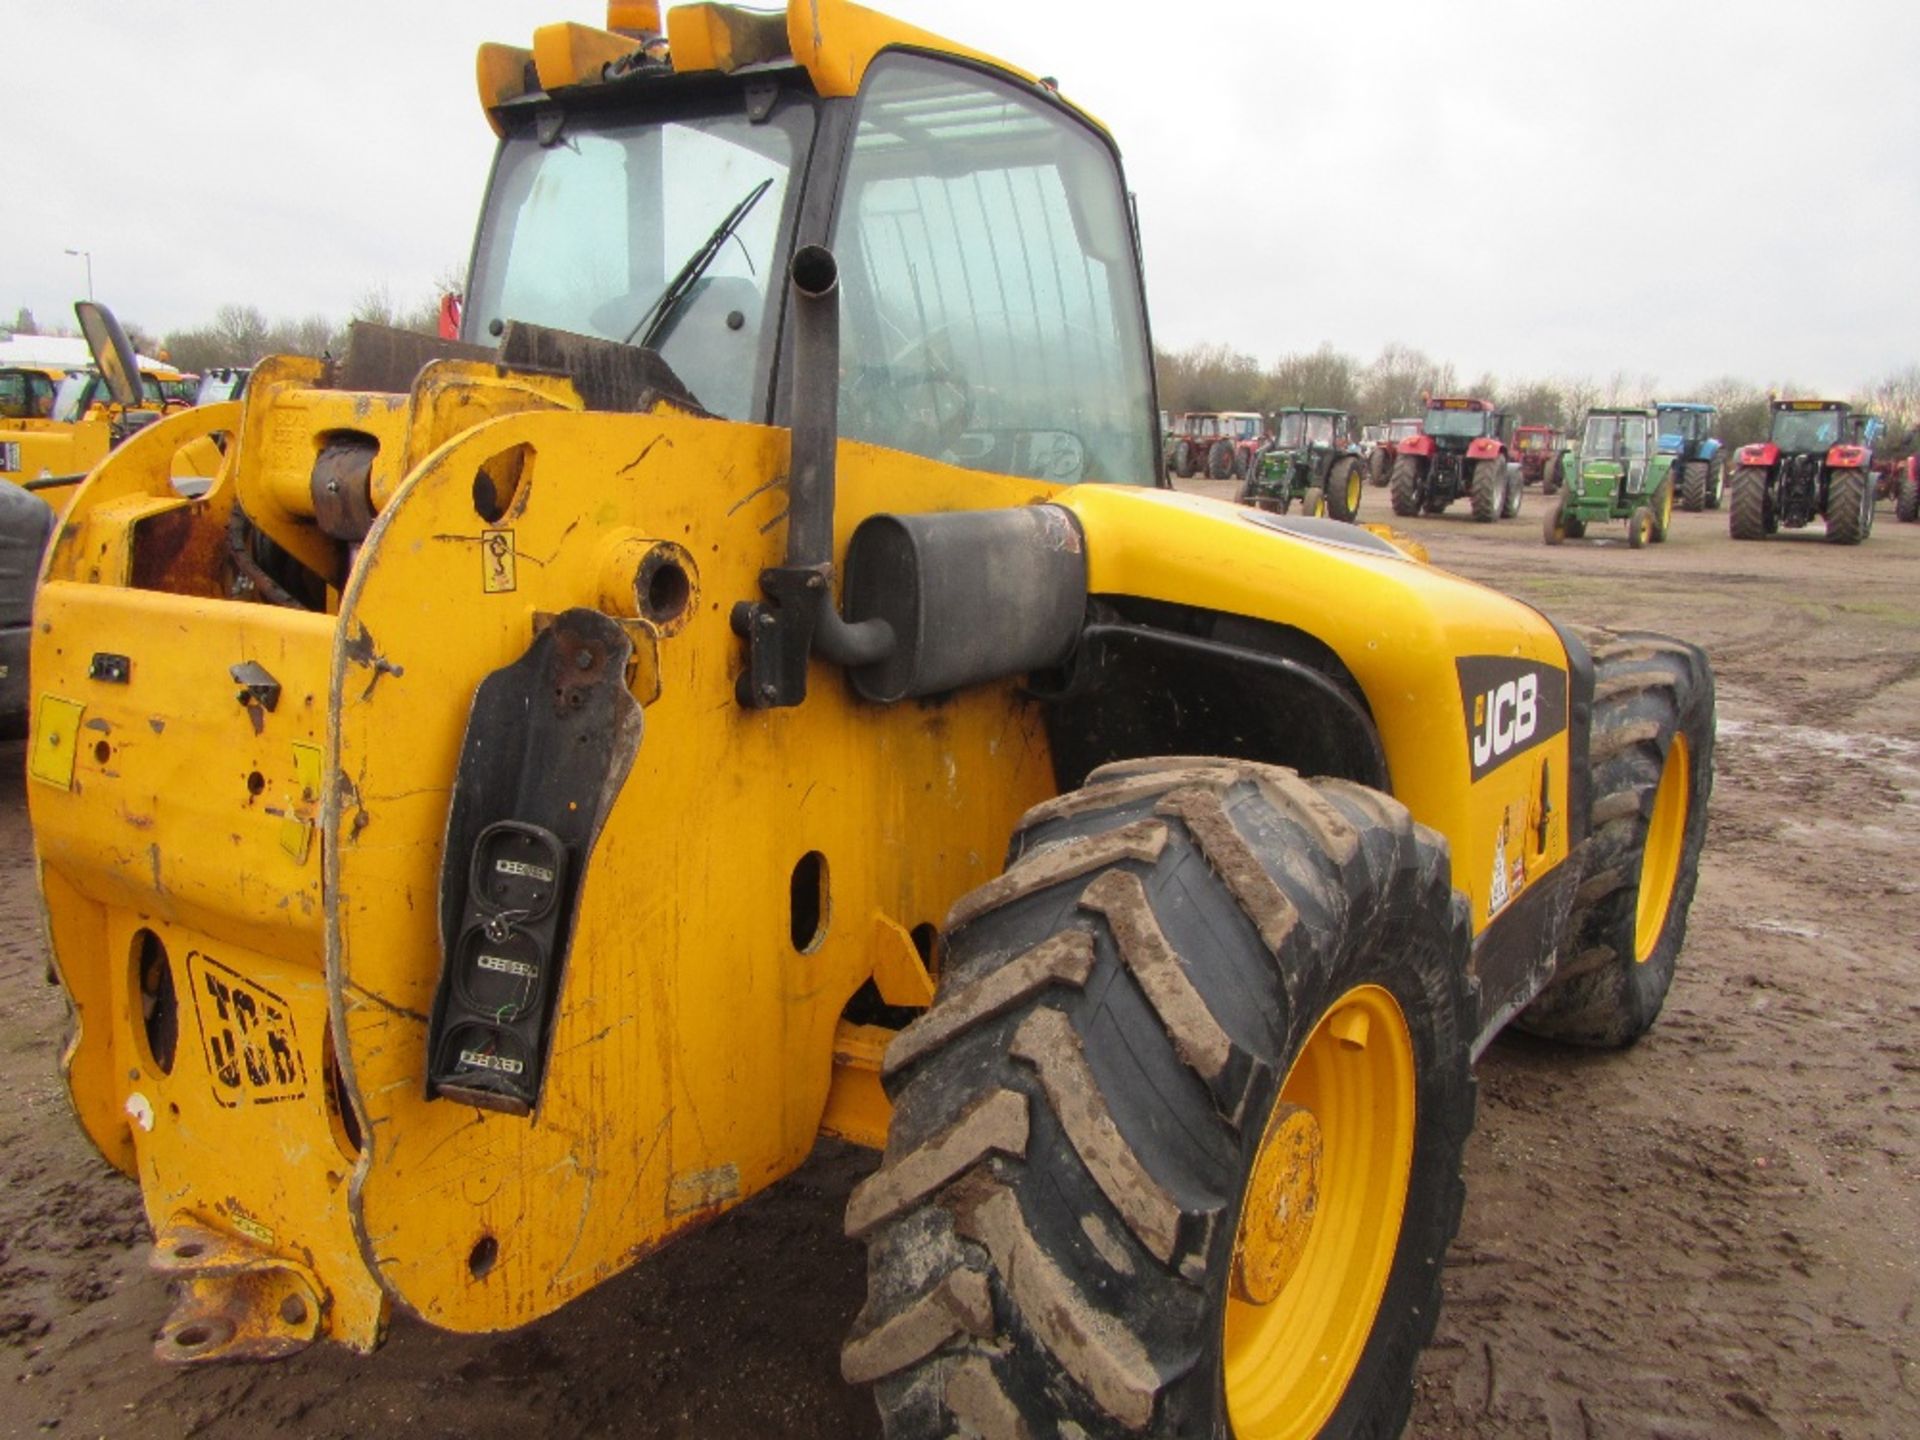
(1698, 467)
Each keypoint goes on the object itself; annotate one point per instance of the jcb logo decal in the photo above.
(1511, 706)
(251, 1050)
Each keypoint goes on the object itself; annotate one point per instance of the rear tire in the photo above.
(1054, 1236)
(1906, 499)
(1849, 507)
(1694, 483)
(1379, 468)
(1220, 460)
(1516, 489)
(1748, 518)
(1183, 459)
(1344, 488)
(1554, 477)
(1653, 727)
(1716, 482)
(1405, 494)
(1662, 507)
(1487, 488)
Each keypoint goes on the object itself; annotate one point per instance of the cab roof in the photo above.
(834, 41)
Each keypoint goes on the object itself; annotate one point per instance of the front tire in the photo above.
(1849, 507)
(1487, 488)
(1906, 499)
(1344, 489)
(1662, 508)
(1748, 517)
(1516, 489)
(1183, 459)
(1405, 494)
(1220, 460)
(1192, 973)
(1695, 481)
(1379, 469)
(1651, 767)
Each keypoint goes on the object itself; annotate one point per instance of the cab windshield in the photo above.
(1684, 424)
(1458, 424)
(1615, 437)
(75, 394)
(1288, 432)
(1805, 430)
(991, 313)
(1244, 427)
(589, 221)
(1319, 429)
(1403, 430)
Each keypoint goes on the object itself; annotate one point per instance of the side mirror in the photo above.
(112, 352)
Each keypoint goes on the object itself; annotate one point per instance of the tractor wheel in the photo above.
(1695, 480)
(1488, 485)
(1716, 482)
(1662, 507)
(1849, 507)
(1651, 768)
(1344, 489)
(1183, 459)
(1220, 460)
(1639, 527)
(1177, 1149)
(1749, 517)
(1516, 489)
(1405, 494)
(1906, 499)
(1557, 525)
(1554, 477)
(1314, 502)
(1379, 468)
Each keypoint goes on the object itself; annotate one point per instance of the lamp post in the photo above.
(86, 255)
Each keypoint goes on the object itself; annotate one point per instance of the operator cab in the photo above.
(1622, 437)
(989, 294)
(1802, 427)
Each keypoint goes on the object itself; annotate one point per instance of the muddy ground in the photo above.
(1717, 1234)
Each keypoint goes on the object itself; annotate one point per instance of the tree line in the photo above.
(1217, 377)
(245, 334)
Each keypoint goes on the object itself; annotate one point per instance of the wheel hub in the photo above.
(1282, 1198)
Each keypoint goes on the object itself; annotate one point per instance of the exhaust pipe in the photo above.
(798, 615)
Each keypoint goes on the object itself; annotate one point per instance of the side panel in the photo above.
(692, 1046)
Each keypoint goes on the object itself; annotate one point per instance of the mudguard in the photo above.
(1762, 456)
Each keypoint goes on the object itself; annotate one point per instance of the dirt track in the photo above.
(1717, 1234)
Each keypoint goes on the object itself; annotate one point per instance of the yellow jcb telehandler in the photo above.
(752, 686)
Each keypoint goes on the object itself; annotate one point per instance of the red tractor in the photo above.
(1219, 444)
(1897, 479)
(1816, 462)
(1542, 453)
(1463, 448)
(1386, 448)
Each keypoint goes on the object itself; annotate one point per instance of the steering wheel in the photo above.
(915, 400)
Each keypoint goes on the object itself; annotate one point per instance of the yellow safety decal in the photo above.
(56, 733)
(296, 829)
(497, 575)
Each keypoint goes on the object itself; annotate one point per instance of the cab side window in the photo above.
(992, 315)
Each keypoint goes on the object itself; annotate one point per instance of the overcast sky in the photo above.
(1680, 190)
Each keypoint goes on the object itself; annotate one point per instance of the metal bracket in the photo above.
(779, 635)
(257, 685)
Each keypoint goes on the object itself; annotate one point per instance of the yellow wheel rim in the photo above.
(1660, 860)
(1353, 492)
(1320, 1220)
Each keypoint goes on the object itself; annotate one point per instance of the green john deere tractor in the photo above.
(1618, 474)
(1314, 459)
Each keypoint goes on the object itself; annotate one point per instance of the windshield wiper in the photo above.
(661, 311)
